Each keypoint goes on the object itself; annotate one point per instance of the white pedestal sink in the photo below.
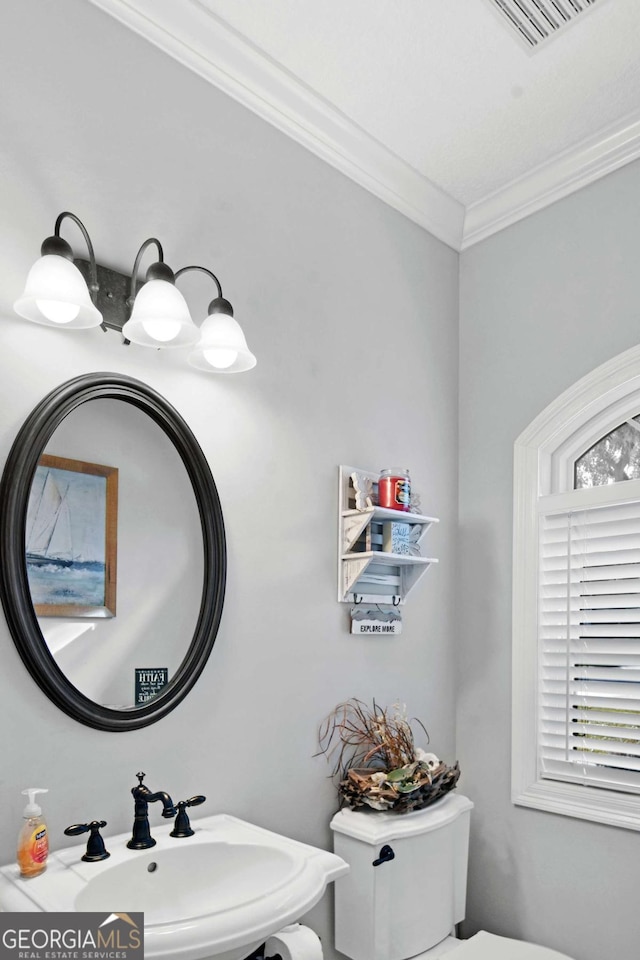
(218, 894)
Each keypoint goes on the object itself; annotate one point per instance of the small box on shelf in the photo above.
(401, 538)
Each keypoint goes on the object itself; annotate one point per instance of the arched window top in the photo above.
(611, 459)
(547, 451)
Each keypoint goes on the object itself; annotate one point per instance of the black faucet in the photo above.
(141, 838)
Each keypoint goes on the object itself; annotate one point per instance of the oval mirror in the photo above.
(112, 551)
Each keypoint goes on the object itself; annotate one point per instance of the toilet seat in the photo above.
(486, 946)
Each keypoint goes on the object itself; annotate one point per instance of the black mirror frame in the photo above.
(15, 488)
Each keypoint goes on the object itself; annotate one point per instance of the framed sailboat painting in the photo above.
(71, 538)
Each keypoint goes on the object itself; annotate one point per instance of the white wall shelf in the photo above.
(366, 572)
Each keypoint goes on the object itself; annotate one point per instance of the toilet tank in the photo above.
(410, 902)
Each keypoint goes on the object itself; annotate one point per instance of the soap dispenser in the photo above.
(33, 839)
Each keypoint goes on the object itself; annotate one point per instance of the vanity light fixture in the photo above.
(159, 313)
(56, 293)
(222, 344)
(70, 293)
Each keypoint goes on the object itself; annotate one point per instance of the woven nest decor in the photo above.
(376, 762)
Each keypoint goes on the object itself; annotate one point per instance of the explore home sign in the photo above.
(379, 620)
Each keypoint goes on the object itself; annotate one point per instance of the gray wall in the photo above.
(352, 313)
(542, 304)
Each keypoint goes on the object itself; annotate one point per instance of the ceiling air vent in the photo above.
(536, 21)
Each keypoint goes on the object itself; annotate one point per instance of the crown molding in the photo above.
(191, 34)
(569, 171)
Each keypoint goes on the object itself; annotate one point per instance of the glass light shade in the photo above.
(222, 347)
(56, 295)
(160, 317)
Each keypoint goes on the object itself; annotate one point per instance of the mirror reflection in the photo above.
(71, 538)
(117, 592)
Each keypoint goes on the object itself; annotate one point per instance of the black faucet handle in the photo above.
(140, 789)
(182, 827)
(95, 844)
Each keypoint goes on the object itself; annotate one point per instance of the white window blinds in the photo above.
(589, 646)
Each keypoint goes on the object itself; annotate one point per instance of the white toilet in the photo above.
(406, 889)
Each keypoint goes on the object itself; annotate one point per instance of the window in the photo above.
(612, 458)
(576, 612)
(589, 645)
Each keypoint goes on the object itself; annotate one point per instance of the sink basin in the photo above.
(219, 893)
(185, 883)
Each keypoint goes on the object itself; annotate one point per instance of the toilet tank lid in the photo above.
(375, 826)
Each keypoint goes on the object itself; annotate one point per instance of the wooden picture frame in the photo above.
(71, 538)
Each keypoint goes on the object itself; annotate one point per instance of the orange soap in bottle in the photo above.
(33, 839)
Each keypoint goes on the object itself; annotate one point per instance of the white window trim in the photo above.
(544, 455)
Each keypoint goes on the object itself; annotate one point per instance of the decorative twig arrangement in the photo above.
(377, 762)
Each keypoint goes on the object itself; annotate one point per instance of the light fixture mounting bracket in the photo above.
(111, 298)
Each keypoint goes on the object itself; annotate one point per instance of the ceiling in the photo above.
(435, 106)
